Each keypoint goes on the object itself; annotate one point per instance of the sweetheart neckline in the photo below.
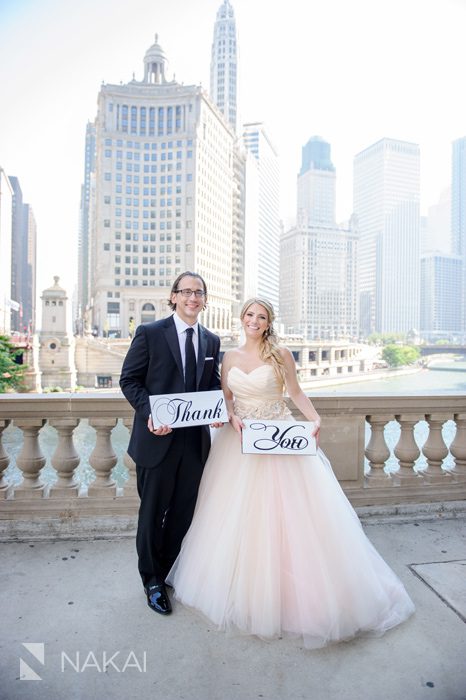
(246, 374)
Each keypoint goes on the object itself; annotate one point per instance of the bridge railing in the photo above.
(385, 450)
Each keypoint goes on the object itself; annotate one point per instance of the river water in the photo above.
(444, 378)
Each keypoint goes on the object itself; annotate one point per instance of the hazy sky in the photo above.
(352, 71)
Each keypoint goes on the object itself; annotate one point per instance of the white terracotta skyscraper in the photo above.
(224, 64)
(162, 202)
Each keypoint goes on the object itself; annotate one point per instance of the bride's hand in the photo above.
(236, 423)
(316, 431)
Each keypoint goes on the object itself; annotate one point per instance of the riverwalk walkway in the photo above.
(79, 602)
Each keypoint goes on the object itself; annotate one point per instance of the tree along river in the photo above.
(443, 378)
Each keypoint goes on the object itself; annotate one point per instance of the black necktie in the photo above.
(190, 362)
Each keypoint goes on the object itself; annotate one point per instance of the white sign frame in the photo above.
(278, 437)
(188, 409)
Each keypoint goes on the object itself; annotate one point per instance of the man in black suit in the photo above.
(169, 463)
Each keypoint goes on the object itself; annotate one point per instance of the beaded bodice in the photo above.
(258, 394)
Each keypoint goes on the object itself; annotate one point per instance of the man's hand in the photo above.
(161, 430)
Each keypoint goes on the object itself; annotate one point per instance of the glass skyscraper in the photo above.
(386, 206)
(458, 197)
(440, 290)
(458, 217)
(318, 259)
(84, 257)
(263, 200)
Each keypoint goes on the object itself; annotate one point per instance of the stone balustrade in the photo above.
(354, 436)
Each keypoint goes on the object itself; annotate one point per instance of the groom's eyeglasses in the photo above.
(199, 293)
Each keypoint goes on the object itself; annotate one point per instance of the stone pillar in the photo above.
(130, 488)
(377, 452)
(458, 447)
(65, 459)
(4, 461)
(435, 449)
(30, 459)
(406, 450)
(103, 458)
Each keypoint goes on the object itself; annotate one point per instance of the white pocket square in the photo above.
(208, 358)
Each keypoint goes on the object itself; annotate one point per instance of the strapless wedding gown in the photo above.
(274, 546)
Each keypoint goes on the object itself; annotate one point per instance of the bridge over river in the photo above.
(442, 349)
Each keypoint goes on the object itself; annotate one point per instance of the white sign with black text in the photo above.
(187, 409)
(278, 437)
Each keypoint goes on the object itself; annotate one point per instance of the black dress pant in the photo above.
(168, 494)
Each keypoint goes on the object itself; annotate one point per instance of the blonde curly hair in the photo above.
(269, 349)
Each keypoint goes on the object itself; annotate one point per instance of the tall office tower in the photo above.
(30, 266)
(318, 259)
(224, 92)
(316, 185)
(386, 204)
(458, 197)
(85, 223)
(318, 282)
(6, 215)
(224, 64)
(23, 262)
(238, 230)
(436, 236)
(266, 201)
(163, 199)
(458, 214)
(17, 246)
(441, 286)
(251, 228)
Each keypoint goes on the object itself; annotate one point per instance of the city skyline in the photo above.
(367, 86)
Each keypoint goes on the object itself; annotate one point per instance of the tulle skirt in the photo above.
(275, 548)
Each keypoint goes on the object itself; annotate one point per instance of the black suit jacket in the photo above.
(153, 366)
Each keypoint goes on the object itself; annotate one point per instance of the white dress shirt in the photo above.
(181, 327)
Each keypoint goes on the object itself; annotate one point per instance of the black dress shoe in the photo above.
(157, 598)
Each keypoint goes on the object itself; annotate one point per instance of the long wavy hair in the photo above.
(269, 349)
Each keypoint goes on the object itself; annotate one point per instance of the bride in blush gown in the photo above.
(275, 547)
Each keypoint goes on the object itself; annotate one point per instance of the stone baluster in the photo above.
(377, 451)
(458, 448)
(30, 459)
(406, 450)
(435, 449)
(103, 458)
(65, 459)
(4, 460)
(130, 485)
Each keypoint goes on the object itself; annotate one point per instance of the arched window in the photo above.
(148, 313)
